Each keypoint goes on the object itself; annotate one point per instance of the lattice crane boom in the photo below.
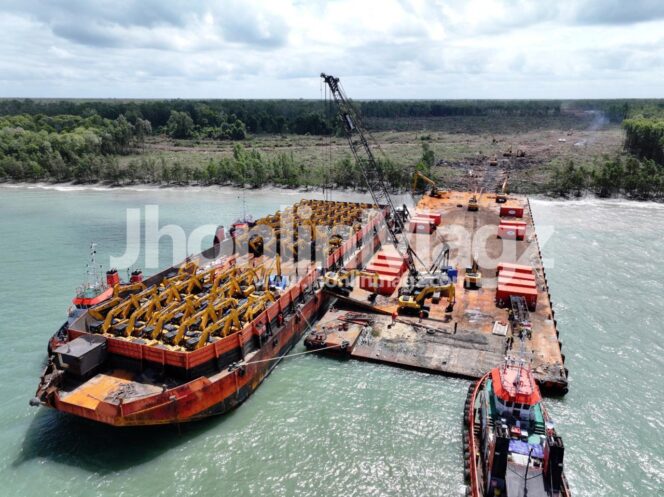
(370, 169)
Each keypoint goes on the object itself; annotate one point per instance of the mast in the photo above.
(93, 273)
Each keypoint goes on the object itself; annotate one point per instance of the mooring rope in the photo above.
(291, 355)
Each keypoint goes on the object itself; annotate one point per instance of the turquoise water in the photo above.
(320, 427)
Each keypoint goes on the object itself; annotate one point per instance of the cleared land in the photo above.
(459, 145)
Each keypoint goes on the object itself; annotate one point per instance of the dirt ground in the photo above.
(456, 153)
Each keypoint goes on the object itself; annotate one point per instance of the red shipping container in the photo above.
(435, 217)
(388, 266)
(391, 255)
(503, 280)
(386, 285)
(422, 225)
(511, 210)
(511, 232)
(386, 263)
(515, 268)
(385, 270)
(504, 292)
(512, 222)
(517, 276)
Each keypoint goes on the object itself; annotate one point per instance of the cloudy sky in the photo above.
(380, 49)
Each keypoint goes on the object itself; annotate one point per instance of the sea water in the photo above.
(318, 426)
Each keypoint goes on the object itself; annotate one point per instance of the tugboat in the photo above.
(511, 447)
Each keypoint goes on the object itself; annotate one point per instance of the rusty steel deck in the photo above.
(463, 343)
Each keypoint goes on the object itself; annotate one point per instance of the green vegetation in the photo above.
(645, 138)
(640, 175)
(65, 148)
(254, 169)
(620, 175)
(317, 117)
(215, 126)
(299, 143)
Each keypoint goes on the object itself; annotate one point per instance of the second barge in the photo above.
(198, 338)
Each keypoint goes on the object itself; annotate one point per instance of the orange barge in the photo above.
(196, 339)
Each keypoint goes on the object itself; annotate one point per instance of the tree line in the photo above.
(620, 175)
(65, 147)
(87, 149)
(226, 119)
(250, 168)
(644, 137)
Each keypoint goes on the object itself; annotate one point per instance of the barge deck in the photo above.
(477, 335)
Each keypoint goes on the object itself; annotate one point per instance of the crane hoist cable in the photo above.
(371, 170)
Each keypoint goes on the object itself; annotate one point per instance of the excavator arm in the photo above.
(434, 188)
(224, 325)
(211, 313)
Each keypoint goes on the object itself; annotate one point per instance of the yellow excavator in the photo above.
(473, 278)
(474, 201)
(412, 300)
(340, 281)
(116, 317)
(501, 197)
(144, 312)
(436, 284)
(222, 327)
(211, 313)
(435, 192)
(121, 290)
(175, 311)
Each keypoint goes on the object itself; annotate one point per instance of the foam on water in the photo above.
(320, 427)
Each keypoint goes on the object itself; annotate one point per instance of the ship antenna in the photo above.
(93, 277)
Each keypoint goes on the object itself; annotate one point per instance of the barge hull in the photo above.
(209, 396)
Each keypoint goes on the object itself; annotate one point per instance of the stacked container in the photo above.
(424, 222)
(516, 280)
(421, 225)
(512, 230)
(389, 265)
(513, 209)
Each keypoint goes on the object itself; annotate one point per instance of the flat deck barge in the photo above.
(477, 334)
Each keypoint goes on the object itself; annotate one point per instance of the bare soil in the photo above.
(456, 153)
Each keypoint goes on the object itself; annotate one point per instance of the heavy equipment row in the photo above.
(306, 230)
(189, 308)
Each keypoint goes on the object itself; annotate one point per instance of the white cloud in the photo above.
(381, 49)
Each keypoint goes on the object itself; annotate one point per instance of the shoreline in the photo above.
(69, 186)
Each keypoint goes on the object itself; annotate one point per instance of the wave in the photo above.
(98, 187)
(591, 201)
(302, 192)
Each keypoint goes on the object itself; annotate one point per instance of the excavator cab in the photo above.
(474, 203)
(473, 277)
(433, 286)
(338, 282)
